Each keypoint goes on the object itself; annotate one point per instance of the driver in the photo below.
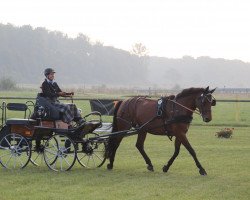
(51, 91)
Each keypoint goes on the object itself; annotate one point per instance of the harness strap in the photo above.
(161, 113)
(161, 105)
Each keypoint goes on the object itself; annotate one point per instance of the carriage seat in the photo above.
(17, 121)
(51, 111)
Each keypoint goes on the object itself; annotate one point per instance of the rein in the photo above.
(189, 109)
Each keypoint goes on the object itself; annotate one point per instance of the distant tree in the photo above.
(98, 43)
(7, 83)
(139, 49)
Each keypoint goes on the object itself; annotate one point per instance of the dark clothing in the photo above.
(69, 111)
(50, 90)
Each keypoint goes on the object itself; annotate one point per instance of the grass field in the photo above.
(227, 162)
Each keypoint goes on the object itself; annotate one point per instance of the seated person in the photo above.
(51, 91)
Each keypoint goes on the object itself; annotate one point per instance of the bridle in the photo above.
(205, 97)
(202, 98)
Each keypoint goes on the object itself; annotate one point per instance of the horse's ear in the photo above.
(206, 90)
(211, 91)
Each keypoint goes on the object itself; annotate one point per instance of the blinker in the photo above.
(213, 102)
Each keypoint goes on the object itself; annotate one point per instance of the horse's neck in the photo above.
(188, 102)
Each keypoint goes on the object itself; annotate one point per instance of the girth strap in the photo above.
(161, 113)
(161, 104)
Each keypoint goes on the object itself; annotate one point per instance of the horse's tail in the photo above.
(111, 140)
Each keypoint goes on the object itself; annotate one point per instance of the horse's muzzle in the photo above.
(206, 119)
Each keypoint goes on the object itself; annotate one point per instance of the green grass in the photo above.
(225, 160)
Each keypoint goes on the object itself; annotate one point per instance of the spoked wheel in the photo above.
(15, 151)
(57, 155)
(91, 154)
(37, 150)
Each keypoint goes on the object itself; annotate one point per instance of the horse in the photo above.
(170, 116)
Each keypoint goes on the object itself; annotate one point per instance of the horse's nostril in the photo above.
(207, 119)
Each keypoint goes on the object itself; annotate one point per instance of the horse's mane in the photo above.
(189, 91)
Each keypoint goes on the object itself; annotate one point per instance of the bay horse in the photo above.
(170, 116)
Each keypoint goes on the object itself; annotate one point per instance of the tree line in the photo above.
(25, 52)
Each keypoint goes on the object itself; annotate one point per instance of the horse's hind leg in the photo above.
(113, 146)
(176, 153)
(140, 146)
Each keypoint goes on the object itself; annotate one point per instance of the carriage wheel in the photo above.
(91, 154)
(57, 156)
(37, 150)
(15, 151)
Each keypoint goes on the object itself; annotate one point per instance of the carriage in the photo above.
(30, 139)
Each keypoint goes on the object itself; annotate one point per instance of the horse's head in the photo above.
(204, 102)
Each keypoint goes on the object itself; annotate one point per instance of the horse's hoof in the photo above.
(150, 168)
(109, 166)
(165, 168)
(203, 172)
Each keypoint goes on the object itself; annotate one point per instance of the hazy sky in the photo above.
(169, 28)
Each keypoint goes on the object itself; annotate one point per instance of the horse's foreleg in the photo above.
(140, 146)
(188, 146)
(176, 153)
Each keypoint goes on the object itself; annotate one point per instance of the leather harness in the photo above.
(162, 114)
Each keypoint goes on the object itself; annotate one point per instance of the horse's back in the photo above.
(136, 111)
(137, 105)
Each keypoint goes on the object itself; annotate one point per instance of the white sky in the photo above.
(169, 28)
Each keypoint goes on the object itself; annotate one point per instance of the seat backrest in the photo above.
(23, 107)
(17, 106)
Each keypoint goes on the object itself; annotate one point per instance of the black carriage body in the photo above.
(55, 140)
(25, 140)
